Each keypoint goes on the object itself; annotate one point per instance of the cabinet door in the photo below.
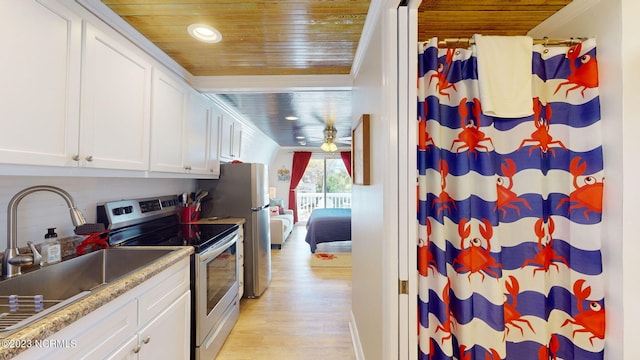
(168, 112)
(236, 140)
(168, 335)
(213, 152)
(226, 137)
(196, 137)
(115, 117)
(129, 351)
(40, 72)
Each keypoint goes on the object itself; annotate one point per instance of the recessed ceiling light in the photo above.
(291, 117)
(204, 33)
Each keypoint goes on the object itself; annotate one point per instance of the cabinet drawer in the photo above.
(91, 337)
(162, 294)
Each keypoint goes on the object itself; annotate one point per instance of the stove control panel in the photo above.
(118, 214)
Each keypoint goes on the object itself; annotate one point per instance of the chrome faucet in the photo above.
(13, 260)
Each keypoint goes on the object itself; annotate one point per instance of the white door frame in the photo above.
(407, 159)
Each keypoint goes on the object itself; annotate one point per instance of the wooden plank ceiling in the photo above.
(284, 37)
(304, 37)
(464, 18)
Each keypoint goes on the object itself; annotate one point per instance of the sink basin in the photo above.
(30, 296)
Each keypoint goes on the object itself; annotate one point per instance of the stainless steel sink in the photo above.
(31, 296)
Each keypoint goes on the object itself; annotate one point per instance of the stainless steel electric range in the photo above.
(214, 264)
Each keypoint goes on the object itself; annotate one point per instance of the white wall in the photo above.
(374, 207)
(42, 210)
(626, 283)
(614, 23)
(282, 160)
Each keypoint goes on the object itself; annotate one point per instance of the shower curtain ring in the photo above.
(546, 42)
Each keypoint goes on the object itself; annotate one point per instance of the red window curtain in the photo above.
(300, 162)
(346, 158)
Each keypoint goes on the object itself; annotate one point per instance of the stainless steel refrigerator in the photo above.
(243, 191)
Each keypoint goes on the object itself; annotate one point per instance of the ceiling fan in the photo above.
(330, 141)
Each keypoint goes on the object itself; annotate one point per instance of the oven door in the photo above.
(216, 284)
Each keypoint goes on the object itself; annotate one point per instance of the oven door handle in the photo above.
(219, 248)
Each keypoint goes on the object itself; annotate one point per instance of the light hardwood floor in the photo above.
(304, 314)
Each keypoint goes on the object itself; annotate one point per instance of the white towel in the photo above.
(504, 75)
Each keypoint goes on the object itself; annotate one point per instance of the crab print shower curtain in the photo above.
(509, 212)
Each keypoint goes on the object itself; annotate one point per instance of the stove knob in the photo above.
(118, 211)
(128, 209)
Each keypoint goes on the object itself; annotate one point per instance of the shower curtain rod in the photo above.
(453, 42)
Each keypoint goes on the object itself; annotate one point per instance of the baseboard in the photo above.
(355, 338)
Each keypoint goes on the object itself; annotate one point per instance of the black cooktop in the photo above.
(169, 232)
(154, 222)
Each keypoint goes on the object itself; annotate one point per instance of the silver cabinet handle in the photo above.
(136, 349)
(75, 157)
(89, 158)
(146, 340)
(188, 167)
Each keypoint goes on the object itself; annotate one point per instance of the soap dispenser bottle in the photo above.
(51, 252)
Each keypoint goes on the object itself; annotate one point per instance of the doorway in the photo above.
(325, 184)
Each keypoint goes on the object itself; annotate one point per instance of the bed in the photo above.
(328, 225)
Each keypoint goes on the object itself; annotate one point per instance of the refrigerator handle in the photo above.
(259, 208)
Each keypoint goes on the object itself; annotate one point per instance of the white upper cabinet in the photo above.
(67, 102)
(230, 137)
(168, 114)
(40, 72)
(202, 136)
(116, 91)
(236, 141)
(181, 124)
(78, 96)
(196, 135)
(213, 152)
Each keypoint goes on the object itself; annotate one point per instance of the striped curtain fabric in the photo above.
(509, 212)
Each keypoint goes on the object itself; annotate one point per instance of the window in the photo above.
(325, 184)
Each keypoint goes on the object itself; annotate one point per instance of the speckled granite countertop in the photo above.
(50, 324)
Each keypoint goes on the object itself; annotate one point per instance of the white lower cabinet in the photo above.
(152, 341)
(151, 321)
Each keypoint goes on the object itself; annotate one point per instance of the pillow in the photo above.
(276, 202)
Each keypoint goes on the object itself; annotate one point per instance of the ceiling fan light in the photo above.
(325, 146)
(333, 147)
